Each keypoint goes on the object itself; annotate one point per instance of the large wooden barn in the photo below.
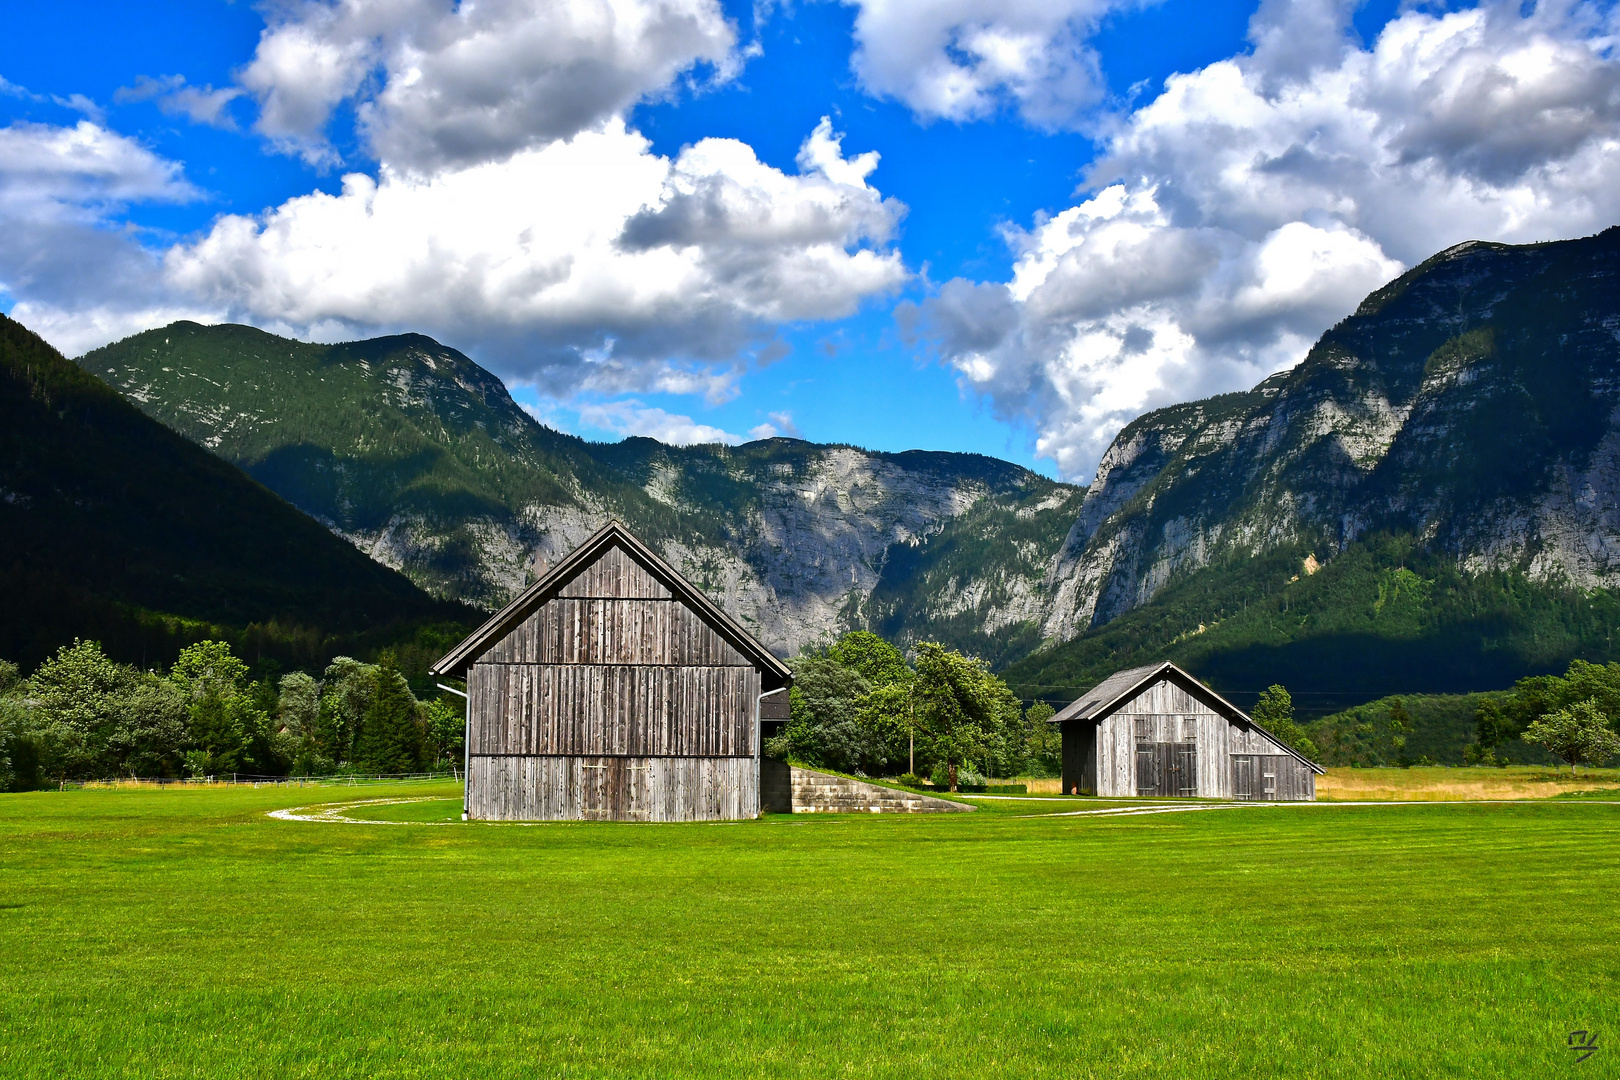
(612, 689)
(1157, 731)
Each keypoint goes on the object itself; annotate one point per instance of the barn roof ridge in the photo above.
(1101, 700)
(458, 659)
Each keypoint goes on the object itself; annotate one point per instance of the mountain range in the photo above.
(1449, 455)
(113, 527)
(422, 459)
(1426, 502)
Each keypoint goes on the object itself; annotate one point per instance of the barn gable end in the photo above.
(1156, 731)
(613, 689)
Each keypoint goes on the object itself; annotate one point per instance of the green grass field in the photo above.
(184, 933)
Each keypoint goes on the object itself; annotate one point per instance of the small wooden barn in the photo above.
(612, 689)
(1157, 731)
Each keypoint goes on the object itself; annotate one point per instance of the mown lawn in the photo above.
(183, 933)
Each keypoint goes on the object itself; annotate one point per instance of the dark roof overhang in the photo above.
(456, 662)
(1103, 699)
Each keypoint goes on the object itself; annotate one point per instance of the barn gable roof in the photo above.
(456, 662)
(1122, 686)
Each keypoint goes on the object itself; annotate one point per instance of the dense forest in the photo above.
(82, 715)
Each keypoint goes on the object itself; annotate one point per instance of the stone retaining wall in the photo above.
(790, 789)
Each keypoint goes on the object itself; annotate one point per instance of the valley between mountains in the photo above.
(1448, 456)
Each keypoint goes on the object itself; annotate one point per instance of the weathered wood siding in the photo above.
(1166, 714)
(616, 573)
(1271, 778)
(612, 709)
(574, 630)
(613, 700)
(611, 788)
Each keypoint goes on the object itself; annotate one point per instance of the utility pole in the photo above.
(911, 725)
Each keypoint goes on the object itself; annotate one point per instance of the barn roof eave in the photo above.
(456, 662)
(1131, 681)
(1106, 696)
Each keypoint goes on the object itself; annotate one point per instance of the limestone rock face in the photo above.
(1471, 403)
(1474, 403)
(422, 459)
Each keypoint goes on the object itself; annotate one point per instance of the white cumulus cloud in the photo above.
(436, 83)
(1248, 207)
(631, 417)
(966, 59)
(510, 209)
(589, 263)
(62, 191)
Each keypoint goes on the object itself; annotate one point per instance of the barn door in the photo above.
(1244, 776)
(595, 795)
(1186, 754)
(1178, 769)
(1166, 769)
(1149, 769)
(630, 798)
(614, 789)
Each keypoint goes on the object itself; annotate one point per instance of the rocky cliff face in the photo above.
(1471, 403)
(422, 459)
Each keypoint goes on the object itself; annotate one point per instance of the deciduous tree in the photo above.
(347, 688)
(1579, 733)
(446, 730)
(78, 698)
(965, 713)
(825, 728)
(1043, 740)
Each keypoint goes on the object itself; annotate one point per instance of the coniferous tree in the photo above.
(1275, 712)
(390, 735)
(347, 689)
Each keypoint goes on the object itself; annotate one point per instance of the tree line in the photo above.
(1573, 715)
(82, 715)
(859, 707)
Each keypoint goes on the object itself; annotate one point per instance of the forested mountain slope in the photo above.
(1449, 456)
(113, 527)
(424, 461)
(1471, 402)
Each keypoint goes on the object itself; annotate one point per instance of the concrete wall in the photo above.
(789, 789)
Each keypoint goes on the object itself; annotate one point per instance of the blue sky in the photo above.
(633, 211)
